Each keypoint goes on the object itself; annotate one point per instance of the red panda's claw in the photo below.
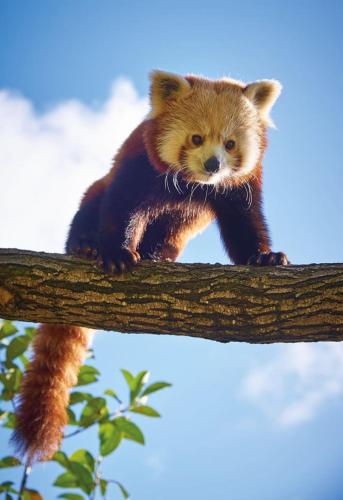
(88, 250)
(85, 249)
(268, 259)
(118, 262)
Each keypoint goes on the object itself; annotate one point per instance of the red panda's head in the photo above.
(209, 131)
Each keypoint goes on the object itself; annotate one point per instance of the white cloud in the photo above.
(47, 161)
(293, 387)
(156, 464)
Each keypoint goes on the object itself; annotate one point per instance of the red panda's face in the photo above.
(210, 131)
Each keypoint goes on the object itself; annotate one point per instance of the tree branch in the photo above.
(223, 303)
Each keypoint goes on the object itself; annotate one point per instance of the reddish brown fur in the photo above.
(151, 131)
(133, 146)
(94, 190)
(41, 414)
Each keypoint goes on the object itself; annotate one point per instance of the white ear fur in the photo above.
(263, 95)
(165, 88)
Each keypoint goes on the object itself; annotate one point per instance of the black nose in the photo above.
(212, 165)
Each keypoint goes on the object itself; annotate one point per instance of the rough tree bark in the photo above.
(223, 303)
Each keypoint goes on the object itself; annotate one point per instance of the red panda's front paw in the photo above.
(118, 261)
(84, 248)
(268, 259)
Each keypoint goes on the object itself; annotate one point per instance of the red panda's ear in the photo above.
(166, 88)
(263, 95)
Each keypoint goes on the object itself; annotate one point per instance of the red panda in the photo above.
(197, 157)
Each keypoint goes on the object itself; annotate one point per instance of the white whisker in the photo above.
(176, 183)
(213, 188)
(248, 191)
(205, 194)
(166, 185)
(250, 195)
(194, 187)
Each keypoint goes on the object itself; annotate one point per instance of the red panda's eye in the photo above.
(230, 145)
(197, 140)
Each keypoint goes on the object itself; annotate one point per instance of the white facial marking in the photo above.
(225, 169)
(250, 149)
(220, 153)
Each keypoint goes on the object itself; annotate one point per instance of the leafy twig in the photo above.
(116, 413)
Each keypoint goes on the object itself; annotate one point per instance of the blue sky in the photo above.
(242, 422)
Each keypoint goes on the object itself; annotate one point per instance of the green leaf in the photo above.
(95, 409)
(79, 397)
(7, 329)
(83, 457)
(10, 422)
(113, 394)
(7, 486)
(9, 462)
(130, 379)
(16, 347)
(129, 429)
(110, 436)
(124, 492)
(66, 480)
(24, 359)
(155, 387)
(30, 331)
(61, 458)
(71, 496)
(88, 374)
(16, 376)
(142, 377)
(72, 420)
(11, 381)
(145, 410)
(103, 486)
(138, 383)
(83, 476)
(3, 415)
(31, 495)
(79, 465)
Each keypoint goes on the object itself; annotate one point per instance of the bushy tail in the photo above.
(58, 352)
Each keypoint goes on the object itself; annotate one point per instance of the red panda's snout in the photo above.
(212, 165)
